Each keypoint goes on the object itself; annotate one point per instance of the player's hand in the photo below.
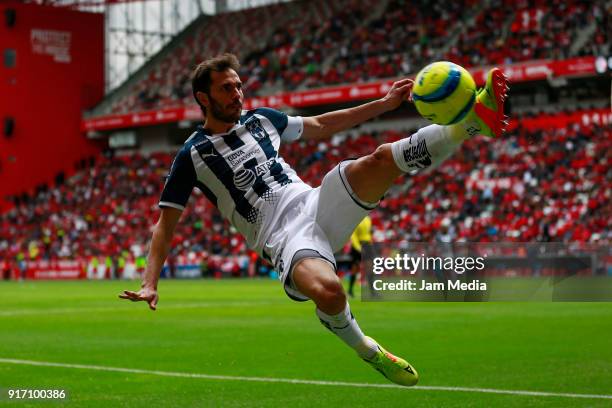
(145, 294)
(400, 91)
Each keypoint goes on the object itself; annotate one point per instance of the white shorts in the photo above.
(315, 224)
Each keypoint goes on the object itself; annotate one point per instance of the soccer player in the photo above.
(360, 238)
(233, 159)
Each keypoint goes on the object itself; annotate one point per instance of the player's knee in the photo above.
(381, 157)
(330, 293)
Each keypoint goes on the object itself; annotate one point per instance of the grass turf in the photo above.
(250, 328)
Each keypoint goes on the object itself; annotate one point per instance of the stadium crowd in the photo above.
(319, 43)
(544, 185)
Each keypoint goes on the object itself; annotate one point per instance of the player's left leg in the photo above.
(316, 279)
(370, 176)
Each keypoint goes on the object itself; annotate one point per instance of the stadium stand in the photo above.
(534, 185)
(513, 31)
(166, 82)
(544, 185)
(318, 43)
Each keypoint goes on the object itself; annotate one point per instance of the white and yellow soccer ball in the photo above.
(444, 92)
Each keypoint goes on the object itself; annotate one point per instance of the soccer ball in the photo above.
(444, 92)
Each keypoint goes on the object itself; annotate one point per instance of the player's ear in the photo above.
(203, 98)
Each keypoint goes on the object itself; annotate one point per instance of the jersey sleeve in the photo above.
(295, 127)
(180, 182)
(289, 128)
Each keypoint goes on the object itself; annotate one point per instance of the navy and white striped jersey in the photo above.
(239, 171)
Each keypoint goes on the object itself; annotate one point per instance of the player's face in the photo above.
(226, 97)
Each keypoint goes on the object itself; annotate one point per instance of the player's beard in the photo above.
(227, 115)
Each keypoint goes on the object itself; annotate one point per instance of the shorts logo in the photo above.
(281, 267)
(417, 156)
(254, 126)
(280, 264)
(243, 179)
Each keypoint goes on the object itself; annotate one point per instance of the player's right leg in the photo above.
(370, 176)
(315, 278)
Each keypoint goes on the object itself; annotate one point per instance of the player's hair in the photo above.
(200, 77)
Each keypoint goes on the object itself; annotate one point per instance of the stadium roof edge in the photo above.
(120, 90)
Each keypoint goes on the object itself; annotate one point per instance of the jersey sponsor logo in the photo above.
(254, 126)
(264, 167)
(417, 156)
(244, 179)
(218, 168)
(240, 156)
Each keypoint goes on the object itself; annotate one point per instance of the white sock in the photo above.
(427, 148)
(345, 326)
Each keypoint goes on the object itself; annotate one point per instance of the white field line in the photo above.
(70, 310)
(298, 381)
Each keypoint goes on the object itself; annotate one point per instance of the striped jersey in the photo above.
(239, 171)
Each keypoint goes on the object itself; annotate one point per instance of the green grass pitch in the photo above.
(251, 329)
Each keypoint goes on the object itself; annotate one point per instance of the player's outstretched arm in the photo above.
(327, 124)
(160, 246)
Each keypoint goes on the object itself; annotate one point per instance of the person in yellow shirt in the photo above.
(362, 236)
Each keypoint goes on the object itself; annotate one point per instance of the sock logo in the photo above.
(417, 156)
(472, 130)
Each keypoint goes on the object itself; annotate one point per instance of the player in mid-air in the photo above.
(233, 159)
